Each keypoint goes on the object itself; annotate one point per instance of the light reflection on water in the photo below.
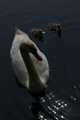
(50, 107)
(55, 106)
(62, 98)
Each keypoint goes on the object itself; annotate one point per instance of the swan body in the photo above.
(29, 63)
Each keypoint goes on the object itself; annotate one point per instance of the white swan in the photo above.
(29, 63)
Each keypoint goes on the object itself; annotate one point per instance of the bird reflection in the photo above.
(47, 107)
(36, 107)
(39, 112)
(40, 38)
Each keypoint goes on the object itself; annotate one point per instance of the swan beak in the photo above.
(37, 56)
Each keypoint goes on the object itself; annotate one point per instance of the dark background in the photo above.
(62, 95)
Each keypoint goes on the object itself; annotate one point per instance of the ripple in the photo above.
(60, 109)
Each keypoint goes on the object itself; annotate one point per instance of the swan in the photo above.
(56, 27)
(37, 33)
(29, 64)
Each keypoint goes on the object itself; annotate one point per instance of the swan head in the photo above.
(29, 46)
(58, 27)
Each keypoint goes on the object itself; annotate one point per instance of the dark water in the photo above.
(61, 100)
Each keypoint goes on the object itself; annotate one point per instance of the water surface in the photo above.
(61, 100)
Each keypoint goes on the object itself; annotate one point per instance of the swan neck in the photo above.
(28, 62)
(34, 80)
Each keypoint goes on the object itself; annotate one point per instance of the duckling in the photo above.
(37, 33)
(56, 27)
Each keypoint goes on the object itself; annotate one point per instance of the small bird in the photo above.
(56, 27)
(37, 33)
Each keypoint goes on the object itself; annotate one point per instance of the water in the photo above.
(61, 100)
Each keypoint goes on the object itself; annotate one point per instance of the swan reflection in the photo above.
(48, 108)
(39, 109)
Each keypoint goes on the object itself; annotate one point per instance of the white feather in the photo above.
(41, 67)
